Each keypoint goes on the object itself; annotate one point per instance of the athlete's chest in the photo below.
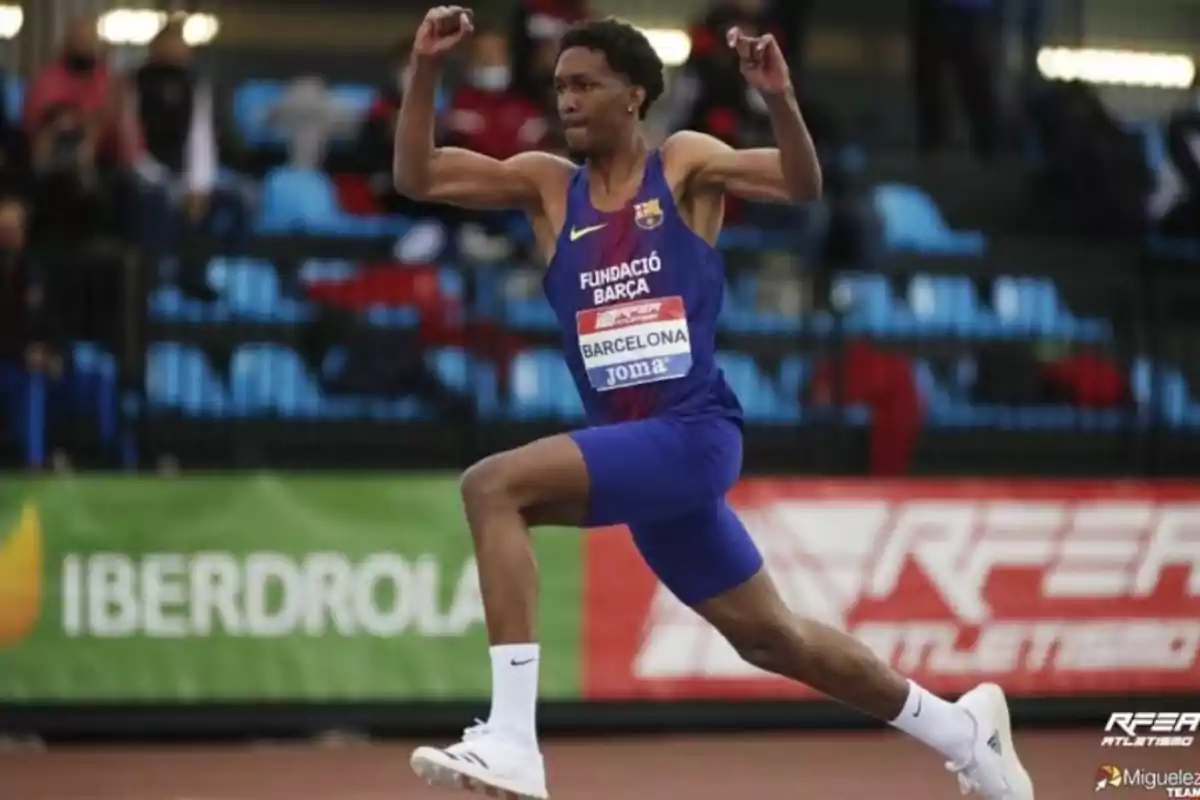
(619, 257)
(626, 298)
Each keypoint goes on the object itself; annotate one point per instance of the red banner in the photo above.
(1049, 588)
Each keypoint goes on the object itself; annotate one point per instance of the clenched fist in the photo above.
(442, 29)
(761, 61)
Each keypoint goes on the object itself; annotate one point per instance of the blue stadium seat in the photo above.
(789, 385)
(94, 359)
(296, 391)
(542, 387)
(1177, 405)
(251, 381)
(320, 270)
(357, 98)
(1143, 385)
(936, 396)
(450, 282)
(794, 374)
(180, 377)
(14, 98)
(1029, 306)
(530, 315)
(252, 102)
(913, 223)
(948, 304)
(270, 378)
(739, 319)
(393, 316)
(868, 305)
(760, 399)
(452, 366)
(298, 201)
(250, 289)
(750, 237)
(170, 304)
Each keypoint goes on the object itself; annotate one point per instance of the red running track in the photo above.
(816, 766)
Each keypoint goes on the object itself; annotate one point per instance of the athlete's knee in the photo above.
(488, 485)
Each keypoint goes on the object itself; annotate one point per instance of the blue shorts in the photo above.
(666, 478)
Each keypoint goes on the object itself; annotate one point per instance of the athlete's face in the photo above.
(596, 105)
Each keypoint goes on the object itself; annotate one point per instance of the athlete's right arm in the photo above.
(448, 174)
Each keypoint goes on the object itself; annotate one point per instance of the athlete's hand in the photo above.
(761, 61)
(442, 29)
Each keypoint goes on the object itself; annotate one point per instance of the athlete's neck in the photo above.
(611, 172)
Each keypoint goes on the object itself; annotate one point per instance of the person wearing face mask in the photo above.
(488, 115)
(80, 78)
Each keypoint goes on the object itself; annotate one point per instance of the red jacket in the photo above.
(497, 124)
(884, 383)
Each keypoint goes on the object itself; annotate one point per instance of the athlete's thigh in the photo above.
(700, 555)
(657, 468)
(547, 479)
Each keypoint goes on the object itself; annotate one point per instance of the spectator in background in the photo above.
(487, 115)
(309, 117)
(959, 36)
(73, 202)
(81, 81)
(29, 334)
(375, 143)
(30, 338)
(80, 222)
(181, 162)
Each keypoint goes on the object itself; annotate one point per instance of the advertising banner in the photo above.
(256, 588)
(1048, 588)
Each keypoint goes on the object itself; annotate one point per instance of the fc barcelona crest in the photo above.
(648, 215)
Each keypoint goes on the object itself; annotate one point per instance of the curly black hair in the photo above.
(627, 51)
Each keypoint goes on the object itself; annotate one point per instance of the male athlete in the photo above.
(636, 284)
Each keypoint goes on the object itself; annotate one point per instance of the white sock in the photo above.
(515, 690)
(937, 723)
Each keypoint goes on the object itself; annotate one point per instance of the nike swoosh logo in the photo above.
(579, 233)
(920, 702)
(516, 663)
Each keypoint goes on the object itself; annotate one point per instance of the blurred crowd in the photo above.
(103, 162)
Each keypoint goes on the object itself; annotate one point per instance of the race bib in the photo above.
(634, 343)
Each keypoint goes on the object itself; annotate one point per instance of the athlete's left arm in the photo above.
(757, 174)
(788, 172)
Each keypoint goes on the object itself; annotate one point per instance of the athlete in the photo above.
(636, 283)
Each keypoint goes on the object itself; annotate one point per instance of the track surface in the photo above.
(817, 766)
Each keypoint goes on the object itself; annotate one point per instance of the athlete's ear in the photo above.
(637, 96)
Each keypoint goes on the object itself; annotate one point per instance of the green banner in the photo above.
(256, 587)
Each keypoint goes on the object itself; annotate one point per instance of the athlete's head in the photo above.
(606, 79)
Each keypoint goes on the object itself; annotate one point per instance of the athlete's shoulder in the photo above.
(691, 147)
(548, 175)
(541, 166)
(686, 153)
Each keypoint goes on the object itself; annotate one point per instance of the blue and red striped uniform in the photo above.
(637, 293)
(644, 291)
